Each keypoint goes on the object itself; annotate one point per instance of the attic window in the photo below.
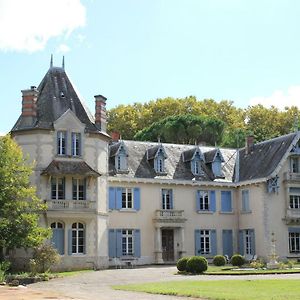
(62, 95)
(159, 162)
(121, 160)
(196, 164)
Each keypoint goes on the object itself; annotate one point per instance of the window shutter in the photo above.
(241, 242)
(112, 246)
(72, 143)
(137, 243)
(252, 234)
(79, 144)
(70, 241)
(84, 189)
(212, 201)
(136, 197)
(57, 142)
(84, 241)
(112, 198)
(66, 142)
(64, 187)
(171, 199)
(197, 242)
(198, 200)
(213, 242)
(226, 205)
(119, 198)
(119, 242)
(227, 242)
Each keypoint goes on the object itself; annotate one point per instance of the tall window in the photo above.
(204, 241)
(294, 242)
(295, 201)
(195, 163)
(159, 162)
(78, 237)
(294, 164)
(167, 199)
(204, 201)
(76, 141)
(248, 242)
(79, 189)
(245, 201)
(58, 236)
(121, 160)
(57, 188)
(61, 142)
(127, 198)
(127, 242)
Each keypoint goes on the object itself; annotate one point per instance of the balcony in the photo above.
(71, 205)
(169, 216)
(292, 216)
(288, 176)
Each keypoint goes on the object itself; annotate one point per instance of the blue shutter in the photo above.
(84, 241)
(226, 205)
(137, 198)
(70, 241)
(112, 246)
(112, 198)
(197, 242)
(119, 198)
(119, 242)
(227, 241)
(213, 242)
(171, 199)
(241, 242)
(252, 235)
(212, 201)
(137, 243)
(198, 200)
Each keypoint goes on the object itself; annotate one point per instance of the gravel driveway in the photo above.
(97, 285)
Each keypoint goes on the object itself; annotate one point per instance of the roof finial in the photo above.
(51, 61)
(63, 62)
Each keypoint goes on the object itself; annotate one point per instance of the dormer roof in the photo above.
(152, 152)
(115, 148)
(190, 154)
(210, 156)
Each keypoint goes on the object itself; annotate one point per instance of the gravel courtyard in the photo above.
(97, 285)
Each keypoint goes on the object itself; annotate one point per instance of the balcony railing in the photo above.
(169, 215)
(293, 213)
(76, 205)
(288, 176)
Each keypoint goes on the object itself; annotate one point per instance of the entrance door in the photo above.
(167, 236)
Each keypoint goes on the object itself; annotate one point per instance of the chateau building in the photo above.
(116, 202)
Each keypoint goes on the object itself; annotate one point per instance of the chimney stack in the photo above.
(29, 98)
(249, 144)
(115, 136)
(100, 112)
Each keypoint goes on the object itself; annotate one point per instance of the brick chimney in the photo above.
(29, 107)
(100, 112)
(249, 143)
(115, 136)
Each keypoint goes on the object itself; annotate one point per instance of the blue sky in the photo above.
(139, 50)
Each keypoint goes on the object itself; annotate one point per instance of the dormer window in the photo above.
(196, 164)
(295, 164)
(76, 144)
(193, 158)
(61, 142)
(214, 160)
(159, 162)
(121, 160)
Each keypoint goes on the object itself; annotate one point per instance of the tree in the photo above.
(19, 206)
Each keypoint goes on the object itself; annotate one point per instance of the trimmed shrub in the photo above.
(237, 260)
(196, 264)
(181, 263)
(219, 260)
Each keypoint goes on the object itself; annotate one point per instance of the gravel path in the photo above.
(97, 285)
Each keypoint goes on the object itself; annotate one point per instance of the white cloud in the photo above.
(28, 25)
(280, 98)
(63, 48)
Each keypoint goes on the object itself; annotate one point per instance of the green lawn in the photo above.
(223, 289)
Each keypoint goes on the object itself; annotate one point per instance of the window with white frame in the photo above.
(159, 162)
(78, 236)
(61, 142)
(294, 164)
(127, 242)
(248, 242)
(295, 201)
(245, 201)
(121, 160)
(57, 188)
(127, 198)
(79, 189)
(294, 242)
(205, 242)
(195, 164)
(204, 200)
(76, 144)
(167, 199)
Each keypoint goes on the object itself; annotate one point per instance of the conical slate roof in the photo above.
(56, 96)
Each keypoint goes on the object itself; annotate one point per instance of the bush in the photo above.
(219, 260)
(44, 257)
(181, 263)
(237, 260)
(256, 264)
(196, 264)
(4, 267)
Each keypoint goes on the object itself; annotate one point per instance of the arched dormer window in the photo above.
(196, 164)
(193, 157)
(159, 161)
(121, 159)
(217, 165)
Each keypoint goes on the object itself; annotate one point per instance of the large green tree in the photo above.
(20, 208)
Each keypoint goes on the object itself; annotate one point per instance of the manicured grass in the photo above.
(223, 289)
(71, 273)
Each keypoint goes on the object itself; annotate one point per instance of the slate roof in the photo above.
(56, 96)
(140, 167)
(264, 158)
(59, 167)
(210, 155)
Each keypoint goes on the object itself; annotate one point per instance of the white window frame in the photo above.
(295, 164)
(56, 189)
(76, 144)
(166, 199)
(196, 167)
(248, 242)
(62, 142)
(294, 242)
(127, 198)
(127, 242)
(204, 201)
(79, 240)
(77, 188)
(205, 241)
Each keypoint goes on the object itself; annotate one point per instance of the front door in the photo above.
(167, 236)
